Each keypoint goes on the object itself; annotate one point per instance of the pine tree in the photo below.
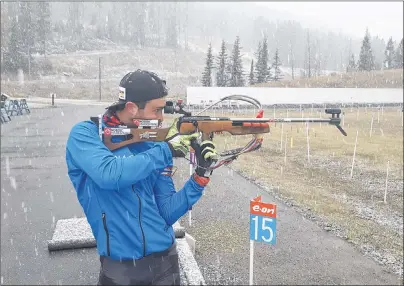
(111, 26)
(258, 76)
(251, 77)
(22, 38)
(139, 36)
(398, 56)
(291, 56)
(366, 58)
(73, 22)
(228, 70)
(207, 73)
(389, 55)
(44, 24)
(265, 67)
(263, 73)
(351, 64)
(221, 76)
(268, 73)
(236, 65)
(27, 25)
(14, 60)
(171, 27)
(307, 57)
(100, 26)
(276, 65)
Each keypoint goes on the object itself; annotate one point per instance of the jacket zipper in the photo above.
(104, 220)
(140, 221)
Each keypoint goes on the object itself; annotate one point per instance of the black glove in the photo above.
(206, 156)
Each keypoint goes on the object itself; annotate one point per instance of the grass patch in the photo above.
(324, 185)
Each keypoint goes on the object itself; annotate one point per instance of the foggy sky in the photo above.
(382, 18)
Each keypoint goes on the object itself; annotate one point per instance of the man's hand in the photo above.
(179, 144)
(206, 156)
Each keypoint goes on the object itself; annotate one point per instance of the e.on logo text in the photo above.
(262, 209)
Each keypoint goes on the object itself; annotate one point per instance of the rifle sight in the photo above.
(334, 111)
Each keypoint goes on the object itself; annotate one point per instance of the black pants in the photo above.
(156, 269)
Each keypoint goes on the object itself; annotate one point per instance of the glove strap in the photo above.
(202, 181)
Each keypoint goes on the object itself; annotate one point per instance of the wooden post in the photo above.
(354, 152)
(387, 177)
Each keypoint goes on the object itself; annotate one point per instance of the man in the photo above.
(128, 195)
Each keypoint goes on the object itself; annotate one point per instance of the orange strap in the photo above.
(202, 181)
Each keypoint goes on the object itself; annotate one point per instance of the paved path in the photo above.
(36, 192)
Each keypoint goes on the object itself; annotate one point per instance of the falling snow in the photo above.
(68, 66)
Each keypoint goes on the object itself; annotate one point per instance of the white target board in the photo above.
(270, 95)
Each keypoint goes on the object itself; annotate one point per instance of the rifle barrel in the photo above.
(297, 120)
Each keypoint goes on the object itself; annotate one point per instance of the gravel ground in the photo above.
(35, 194)
(362, 195)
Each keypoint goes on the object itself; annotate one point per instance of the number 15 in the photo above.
(267, 224)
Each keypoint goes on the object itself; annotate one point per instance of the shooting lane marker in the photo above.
(286, 137)
(192, 161)
(281, 136)
(343, 119)
(320, 117)
(371, 127)
(387, 177)
(354, 152)
(53, 95)
(308, 143)
(262, 227)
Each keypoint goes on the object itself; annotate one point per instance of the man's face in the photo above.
(153, 110)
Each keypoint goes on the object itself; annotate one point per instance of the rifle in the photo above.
(149, 130)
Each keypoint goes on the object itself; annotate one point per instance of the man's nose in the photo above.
(160, 117)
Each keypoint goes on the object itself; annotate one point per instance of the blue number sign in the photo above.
(262, 221)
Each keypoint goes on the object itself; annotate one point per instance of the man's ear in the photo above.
(131, 106)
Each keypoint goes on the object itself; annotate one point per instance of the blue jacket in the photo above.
(126, 195)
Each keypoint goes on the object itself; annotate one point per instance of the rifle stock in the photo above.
(208, 127)
(135, 135)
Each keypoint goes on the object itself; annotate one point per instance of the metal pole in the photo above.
(99, 75)
(29, 63)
